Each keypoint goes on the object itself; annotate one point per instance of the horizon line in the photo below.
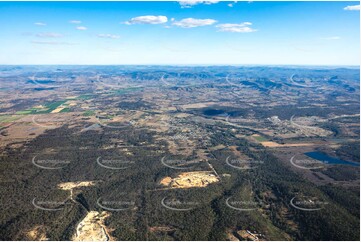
(321, 65)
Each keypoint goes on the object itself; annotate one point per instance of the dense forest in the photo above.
(271, 187)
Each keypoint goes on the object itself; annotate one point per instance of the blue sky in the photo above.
(221, 33)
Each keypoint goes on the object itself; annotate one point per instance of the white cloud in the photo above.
(49, 35)
(148, 19)
(353, 7)
(51, 43)
(236, 28)
(192, 22)
(81, 28)
(231, 4)
(191, 3)
(75, 21)
(332, 38)
(40, 24)
(108, 36)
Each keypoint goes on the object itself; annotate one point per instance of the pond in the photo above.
(328, 159)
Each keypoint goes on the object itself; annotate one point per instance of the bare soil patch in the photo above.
(191, 179)
(92, 227)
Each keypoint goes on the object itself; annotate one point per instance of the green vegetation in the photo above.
(272, 185)
(52, 106)
(89, 113)
(85, 97)
(198, 135)
(48, 108)
(65, 110)
(24, 112)
(259, 138)
(8, 118)
(342, 173)
(349, 151)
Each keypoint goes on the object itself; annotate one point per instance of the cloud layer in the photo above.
(40, 24)
(236, 28)
(353, 7)
(75, 21)
(81, 28)
(148, 19)
(331, 38)
(108, 36)
(49, 35)
(191, 3)
(51, 43)
(193, 22)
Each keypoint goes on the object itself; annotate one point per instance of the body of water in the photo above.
(329, 160)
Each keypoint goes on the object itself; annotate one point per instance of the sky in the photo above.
(180, 33)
